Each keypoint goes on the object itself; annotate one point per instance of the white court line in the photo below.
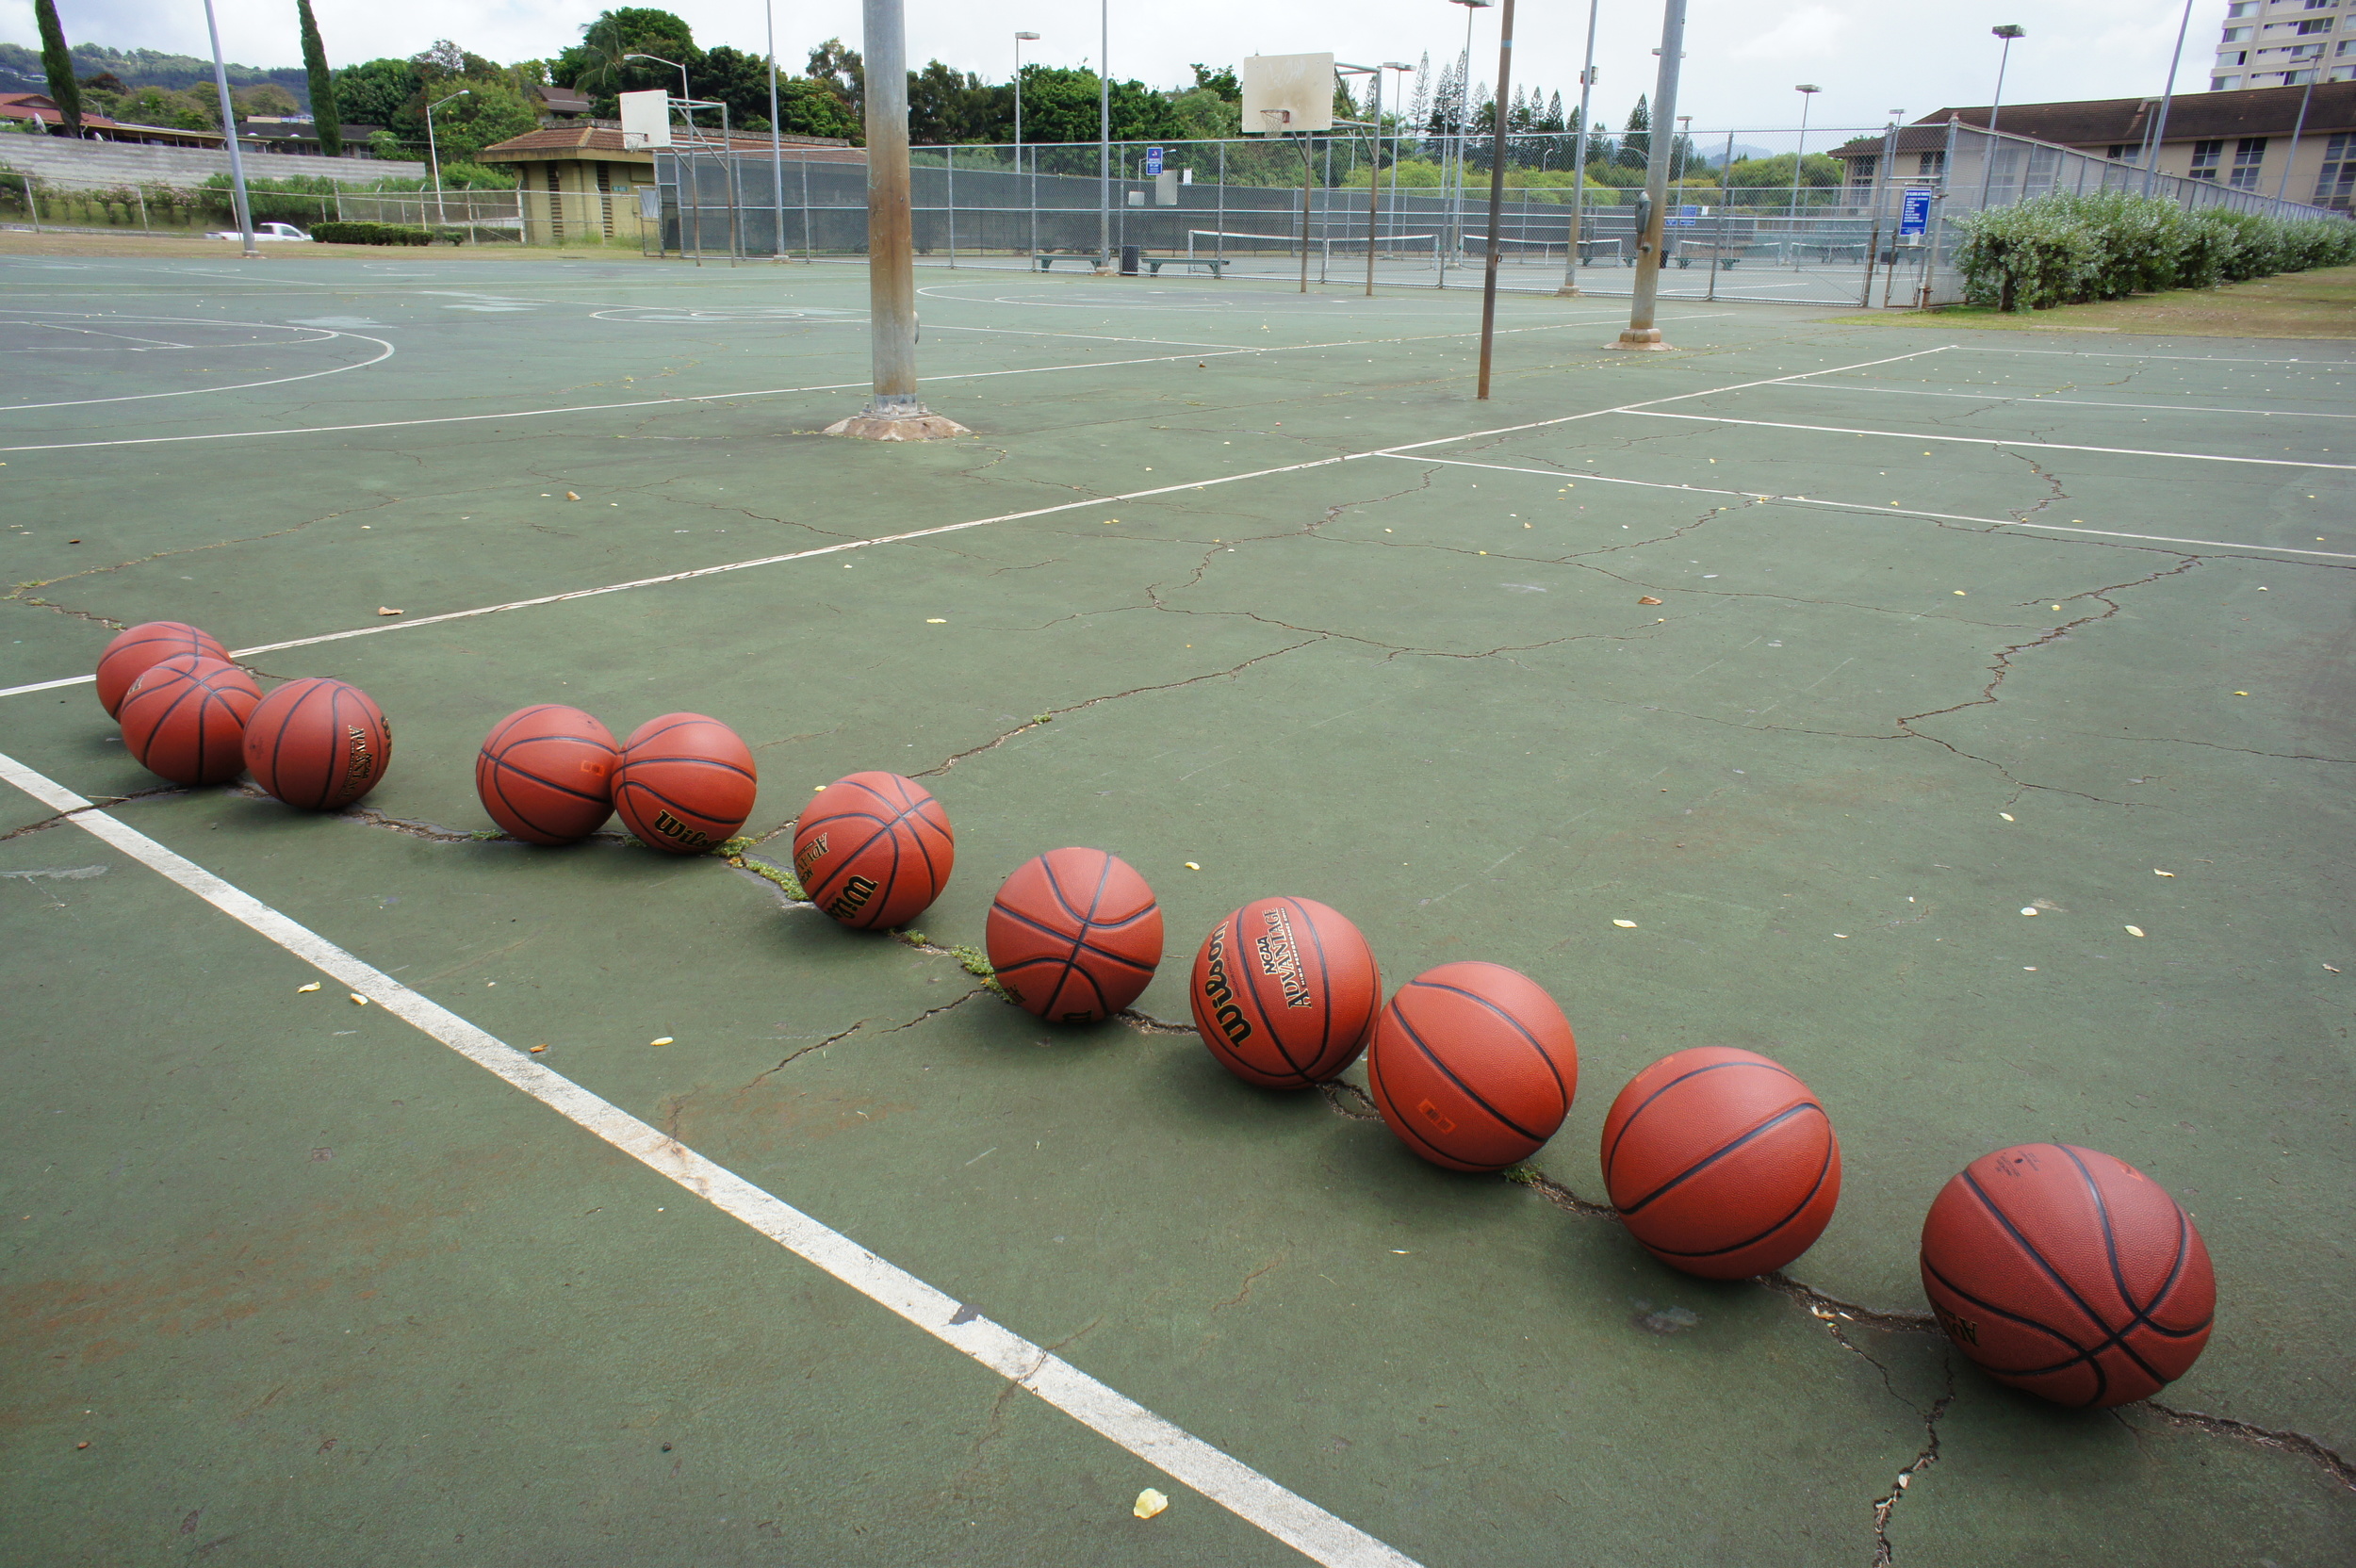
(2076, 403)
(1996, 441)
(1869, 507)
(773, 392)
(2194, 359)
(383, 626)
(324, 333)
(1242, 1491)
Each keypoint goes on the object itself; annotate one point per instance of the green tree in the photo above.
(490, 112)
(1204, 114)
(266, 98)
(1222, 82)
(374, 93)
(325, 119)
(156, 106)
(843, 71)
(1636, 146)
(596, 67)
(57, 63)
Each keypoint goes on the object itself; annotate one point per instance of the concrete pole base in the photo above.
(871, 426)
(1645, 338)
(1569, 291)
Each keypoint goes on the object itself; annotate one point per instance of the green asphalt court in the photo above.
(1966, 724)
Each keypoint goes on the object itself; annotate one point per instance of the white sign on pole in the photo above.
(646, 120)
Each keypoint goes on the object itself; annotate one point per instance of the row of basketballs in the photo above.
(2062, 1270)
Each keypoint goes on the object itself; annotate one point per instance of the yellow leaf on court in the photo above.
(665, 1040)
(2028, 911)
(1150, 1503)
(2157, 872)
(2134, 930)
(1191, 866)
(2007, 816)
(1624, 925)
(570, 497)
(359, 1000)
(537, 1049)
(312, 986)
(384, 611)
(1648, 599)
(936, 620)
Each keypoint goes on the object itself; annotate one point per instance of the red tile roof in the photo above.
(603, 141)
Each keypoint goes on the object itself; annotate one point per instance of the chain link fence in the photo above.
(1828, 216)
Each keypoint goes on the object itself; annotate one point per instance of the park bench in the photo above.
(1156, 264)
(1045, 260)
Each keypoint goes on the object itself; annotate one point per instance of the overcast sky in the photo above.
(1741, 58)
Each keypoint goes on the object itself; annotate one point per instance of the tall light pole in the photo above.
(1493, 250)
(1020, 40)
(1397, 128)
(776, 148)
(673, 65)
(1640, 333)
(2167, 96)
(1807, 91)
(2283, 184)
(434, 152)
(229, 123)
(2007, 32)
(1104, 133)
(1464, 126)
(894, 413)
(1578, 156)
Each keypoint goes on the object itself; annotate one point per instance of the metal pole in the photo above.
(2167, 96)
(2002, 61)
(1308, 175)
(1496, 194)
(1718, 247)
(1374, 181)
(229, 139)
(1939, 216)
(1103, 134)
(32, 209)
(776, 144)
(952, 152)
(1874, 245)
(2284, 184)
(1640, 333)
(1019, 38)
(1579, 156)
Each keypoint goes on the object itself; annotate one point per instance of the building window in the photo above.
(2241, 7)
(2346, 48)
(2223, 84)
(2320, 25)
(2343, 73)
(2307, 52)
(1933, 164)
(2339, 171)
(2249, 153)
(2128, 152)
(2204, 158)
(2293, 78)
(2233, 57)
(2238, 34)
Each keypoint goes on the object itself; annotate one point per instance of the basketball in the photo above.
(686, 783)
(1721, 1163)
(140, 648)
(317, 743)
(1284, 992)
(1473, 1066)
(184, 719)
(1074, 935)
(2068, 1273)
(545, 774)
(873, 850)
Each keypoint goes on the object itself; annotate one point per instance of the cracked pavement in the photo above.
(1824, 776)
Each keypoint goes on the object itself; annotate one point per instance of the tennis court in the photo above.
(1751, 694)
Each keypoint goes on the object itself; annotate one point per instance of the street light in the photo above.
(1807, 90)
(1464, 127)
(2007, 32)
(1578, 157)
(673, 65)
(434, 152)
(1397, 128)
(1020, 40)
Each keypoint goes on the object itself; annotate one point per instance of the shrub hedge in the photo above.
(370, 234)
(2066, 249)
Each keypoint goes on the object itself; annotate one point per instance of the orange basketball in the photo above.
(1473, 1066)
(2068, 1273)
(185, 718)
(873, 850)
(1074, 935)
(317, 743)
(1284, 992)
(686, 783)
(140, 648)
(545, 774)
(1721, 1163)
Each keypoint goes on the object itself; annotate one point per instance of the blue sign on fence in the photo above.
(1686, 218)
(1915, 216)
(1152, 160)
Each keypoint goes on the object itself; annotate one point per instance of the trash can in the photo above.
(1129, 260)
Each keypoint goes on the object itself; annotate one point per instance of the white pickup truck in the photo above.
(264, 231)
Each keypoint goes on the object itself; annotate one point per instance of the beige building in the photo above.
(2284, 43)
(579, 183)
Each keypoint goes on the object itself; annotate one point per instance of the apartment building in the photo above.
(2285, 43)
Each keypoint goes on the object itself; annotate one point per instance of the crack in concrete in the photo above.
(1244, 1293)
(2264, 1437)
(1339, 1091)
(23, 593)
(59, 819)
(1924, 1458)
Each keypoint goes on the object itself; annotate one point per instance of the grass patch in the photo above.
(2318, 304)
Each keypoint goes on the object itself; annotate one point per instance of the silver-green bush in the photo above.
(2065, 249)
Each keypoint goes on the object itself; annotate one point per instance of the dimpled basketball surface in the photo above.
(1074, 935)
(2068, 1273)
(1721, 1163)
(545, 774)
(686, 783)
(185, 719)
(317, 743)
(1473, 1066)
(874, 849)
(1284, 992)
(142, 648)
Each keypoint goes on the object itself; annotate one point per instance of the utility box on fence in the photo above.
(1129, 260)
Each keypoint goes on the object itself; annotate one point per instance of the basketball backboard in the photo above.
(1287, 93)
(646, 120)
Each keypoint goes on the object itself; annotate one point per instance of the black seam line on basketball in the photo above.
(1251, 989)
(1612, 1153)
(703, 762)
(1760, 1131)
(498, 786)
(1325, 980)
(1047, 867)
(1430, 1055)
(884, 830)
(2088, 1357)
(1563, 1091)
(278, 742)
(1823, 1169)
(1022, 919)
(500, 767)
(669, 804)
(1404, 1125)
(187, 689)
(2138, 1315)
(2112, 1336)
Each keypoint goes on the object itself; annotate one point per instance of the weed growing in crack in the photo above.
(786, 881)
